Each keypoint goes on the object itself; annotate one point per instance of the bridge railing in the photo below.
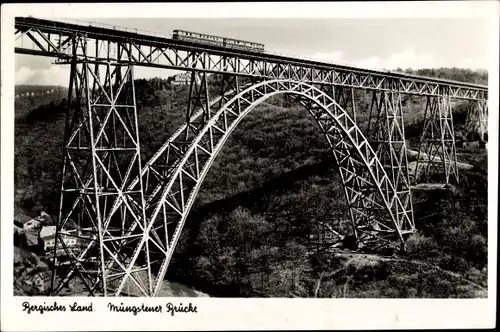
(170, 35)
(115, 27)
(164, 35)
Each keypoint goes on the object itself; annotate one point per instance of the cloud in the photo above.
(146, 72)
(54, 75)
(59, 74)
(330, 57)
(407, 58)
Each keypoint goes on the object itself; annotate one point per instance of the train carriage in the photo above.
(197, 37)
(241, 44)
(217, 41)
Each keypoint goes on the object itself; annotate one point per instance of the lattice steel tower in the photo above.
(98, 209)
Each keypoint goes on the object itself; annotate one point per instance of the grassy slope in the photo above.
(267, 189)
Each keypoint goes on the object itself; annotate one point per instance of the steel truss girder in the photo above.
(101, 158)
(477, 119)
(50, 40)
(344, 96)
(168, 208)
(437, 152)
(386, 135)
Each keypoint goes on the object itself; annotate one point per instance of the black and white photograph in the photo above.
(255, 157)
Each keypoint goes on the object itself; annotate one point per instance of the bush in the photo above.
(419, 246)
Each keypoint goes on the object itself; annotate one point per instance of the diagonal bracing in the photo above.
(437, 160)
(101, 158)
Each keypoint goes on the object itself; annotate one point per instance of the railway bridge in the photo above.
(131, 212)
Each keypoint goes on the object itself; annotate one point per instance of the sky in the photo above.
(361, 42)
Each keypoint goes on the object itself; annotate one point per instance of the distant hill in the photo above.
(37, 88)
(455, 74)
(31, 97)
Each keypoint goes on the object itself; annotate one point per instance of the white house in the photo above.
(182, 79)
(47, 231)
(47, 238)
(23, 223)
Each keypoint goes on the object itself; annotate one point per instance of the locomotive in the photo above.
(217, 41)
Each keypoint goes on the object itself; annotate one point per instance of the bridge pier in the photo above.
(386, 134)
(477, 119)
(99, 213)
(437, 152)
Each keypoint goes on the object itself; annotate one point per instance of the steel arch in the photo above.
(350, 147)
(152, 178)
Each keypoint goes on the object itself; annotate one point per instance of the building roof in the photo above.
(47, 231)
(183, 77)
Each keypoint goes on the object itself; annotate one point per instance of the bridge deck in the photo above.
(154, 51)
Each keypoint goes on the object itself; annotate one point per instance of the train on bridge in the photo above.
(217, 41)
